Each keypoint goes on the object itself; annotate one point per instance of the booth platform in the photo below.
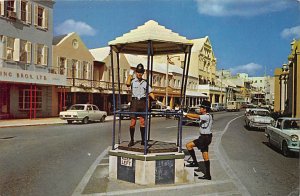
(162, 164)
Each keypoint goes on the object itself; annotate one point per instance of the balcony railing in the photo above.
(101, 85)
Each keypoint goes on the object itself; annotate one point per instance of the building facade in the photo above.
(26, 82)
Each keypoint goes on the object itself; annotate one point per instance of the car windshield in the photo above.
(77, 107)
(292, 124)
(261, 113)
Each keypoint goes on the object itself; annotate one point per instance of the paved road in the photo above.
(262, 169)
(49, 160)
(53, 159)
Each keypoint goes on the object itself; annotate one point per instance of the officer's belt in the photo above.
(136, 98)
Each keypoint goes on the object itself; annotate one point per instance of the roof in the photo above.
(164, 41)
(100, 53)
(198, 43)
(57, 39)
(195, 94)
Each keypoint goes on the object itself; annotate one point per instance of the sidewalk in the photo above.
(34, 122)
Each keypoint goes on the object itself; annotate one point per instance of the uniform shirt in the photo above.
(205, 124)
(139, 88)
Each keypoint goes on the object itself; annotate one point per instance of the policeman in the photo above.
(204, 139)
(138, 101)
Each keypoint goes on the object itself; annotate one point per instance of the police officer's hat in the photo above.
(205, 104)
(140, 68)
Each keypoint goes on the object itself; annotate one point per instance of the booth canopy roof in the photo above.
(164, 41)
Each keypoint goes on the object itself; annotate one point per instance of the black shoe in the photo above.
(195, 174)
(193, 164)
(205, 177)
(131, 143)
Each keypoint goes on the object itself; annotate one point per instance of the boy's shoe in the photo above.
(205, 177)
(193, 164)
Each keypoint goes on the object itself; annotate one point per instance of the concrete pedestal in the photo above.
(150, 169)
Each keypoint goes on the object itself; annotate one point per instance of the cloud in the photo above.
(251, 69)
(79, 27)
(240, 7)
(293, 32)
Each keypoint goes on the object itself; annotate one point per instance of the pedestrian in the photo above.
(203, 140)
(138, 101)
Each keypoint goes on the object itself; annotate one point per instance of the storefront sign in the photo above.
(24, 76)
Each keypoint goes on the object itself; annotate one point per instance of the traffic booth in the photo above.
(155, 162)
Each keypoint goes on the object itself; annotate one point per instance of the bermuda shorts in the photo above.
(203, 141)
(137, 106)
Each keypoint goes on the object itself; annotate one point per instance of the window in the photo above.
(86, 70)
(25, 51)
(124, 75)
(41, 54)
(25, 12)
(10, 42)
(10, 5)
(70, 68)
(41, 17)
(62, 65)
(24, 98)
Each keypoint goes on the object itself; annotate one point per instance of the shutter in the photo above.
(15, 6)
(36, 8)
(35, 53)
(28, 50)
(45, 18)
(2, 7)
(45, 55)
(57, 67)
(4, 41)
(16, 54)
(28, 16)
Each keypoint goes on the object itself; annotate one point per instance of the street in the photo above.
(52, 159)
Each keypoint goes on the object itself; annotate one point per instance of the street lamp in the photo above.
(167, 74)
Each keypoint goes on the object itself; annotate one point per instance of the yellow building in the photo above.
(293, 90)
(72, 59)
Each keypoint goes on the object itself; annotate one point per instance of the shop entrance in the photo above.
(4, 101)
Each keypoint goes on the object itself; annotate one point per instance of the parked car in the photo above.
(257, 118)
(83, 113)
(215, 107)
(158, 109)
(233, 106)
(284, 134)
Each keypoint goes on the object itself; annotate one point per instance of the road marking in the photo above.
(171, 127)
(80, 187)
(254, 170)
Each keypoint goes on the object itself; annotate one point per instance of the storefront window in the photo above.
(24, 98)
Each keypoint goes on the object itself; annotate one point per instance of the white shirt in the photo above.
(205, 124)
(139, 88)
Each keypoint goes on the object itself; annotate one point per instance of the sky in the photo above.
(247, 36)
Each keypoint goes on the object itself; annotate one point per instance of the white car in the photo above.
(83, 113)
(258, 118)
(284, 134)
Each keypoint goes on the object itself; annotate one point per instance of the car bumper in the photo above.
(70, 118)
(258, 125)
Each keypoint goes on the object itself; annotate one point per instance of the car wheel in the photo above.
(285, 150)
(269, 140)
(69, 121)
(103, 118)
(85, 120)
